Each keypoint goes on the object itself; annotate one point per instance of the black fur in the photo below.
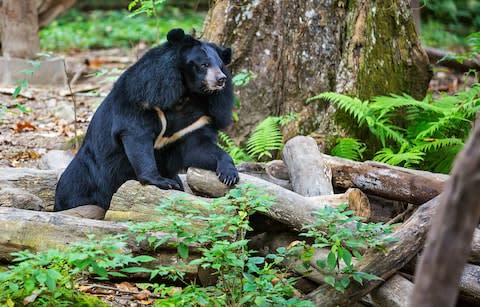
(118, 145)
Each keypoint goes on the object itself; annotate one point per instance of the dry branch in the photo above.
(448, 243)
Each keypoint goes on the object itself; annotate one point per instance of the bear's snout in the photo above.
(215, 79)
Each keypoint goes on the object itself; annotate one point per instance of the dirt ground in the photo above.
(49, 122)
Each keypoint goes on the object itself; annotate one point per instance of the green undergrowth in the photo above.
(239, 275)
(109, 29)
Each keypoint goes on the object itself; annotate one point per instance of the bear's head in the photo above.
(202, 63)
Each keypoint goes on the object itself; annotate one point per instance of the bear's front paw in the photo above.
(228, 175)
(162, 183)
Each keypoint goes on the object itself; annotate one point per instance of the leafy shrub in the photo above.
(331, 231)
(48, 278)
(242, 277)
(348, 148)
(446, 22)
(435, 129)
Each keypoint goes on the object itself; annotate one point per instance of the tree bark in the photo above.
(450, 237)
(308, 172)
(19, 24)
(393, 293)
(20, 21)
(299, 49)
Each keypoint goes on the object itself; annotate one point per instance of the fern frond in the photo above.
(436, 144)
(442, 161)
(383, 129)
(349, 148)
(401, 158)
(449, 121)
(353, 106)
(236, 152)
(265, 139)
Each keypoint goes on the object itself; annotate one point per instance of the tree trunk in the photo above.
(20, 21)
(19, 24)
(302, 48)
(448, 243)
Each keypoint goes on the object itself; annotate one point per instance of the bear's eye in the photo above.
(204, 65)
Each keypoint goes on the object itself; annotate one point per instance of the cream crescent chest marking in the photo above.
(162, 141)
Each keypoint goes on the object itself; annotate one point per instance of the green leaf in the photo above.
(29, 285)
(52, 277)
(136, 270)
(144, 258)
(331, 261)
(182, 250)
(16, 92)
(358, 278)
(345, 282)
(256, 260)
(329, 280)
(261, 301)
(347, 257)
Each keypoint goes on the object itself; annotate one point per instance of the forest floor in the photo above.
(49, 123)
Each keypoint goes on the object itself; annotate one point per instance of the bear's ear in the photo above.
(175, 35)
(226, 55)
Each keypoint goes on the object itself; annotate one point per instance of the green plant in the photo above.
(237, 153)
(473, 43)
(242, 277)
(434, 131)
(42, 279)
(349, 148)
(48, 278)
(331, 230)
(149, 7)
(446, 22)
(266, 138)
(23, 84)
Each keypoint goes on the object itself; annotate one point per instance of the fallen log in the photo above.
(40, 183)
(440, 57)
(125, 205)
(394, 292)
(290, 208)
(391, 182)
(470, 283)
(308, 172)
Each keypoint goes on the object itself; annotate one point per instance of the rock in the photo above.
(64, 111)
(55, 160)
(19, 198)
(50, 72)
